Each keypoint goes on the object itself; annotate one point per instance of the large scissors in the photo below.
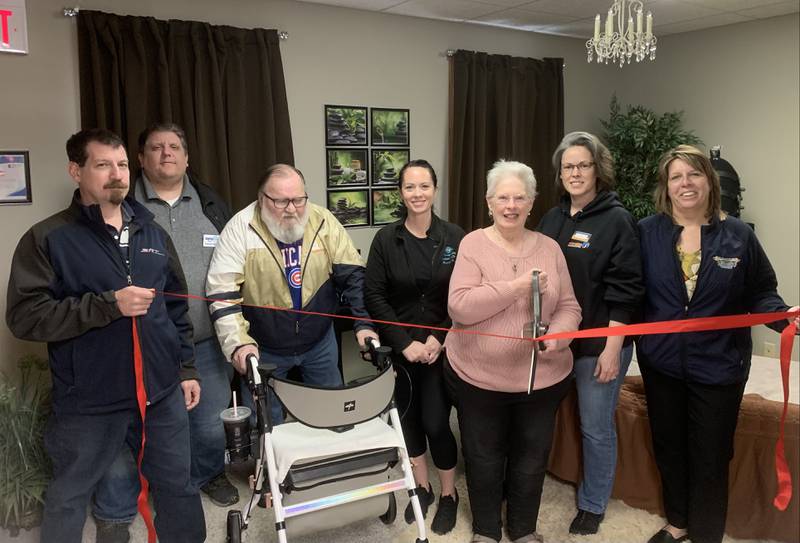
(535, 328)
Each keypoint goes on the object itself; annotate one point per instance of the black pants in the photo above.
(425, 407)
(693, 426)
(506, 439)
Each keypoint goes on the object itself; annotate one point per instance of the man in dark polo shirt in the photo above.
(193, 215)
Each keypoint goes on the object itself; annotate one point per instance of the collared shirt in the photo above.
(194, 236)
(121, 235)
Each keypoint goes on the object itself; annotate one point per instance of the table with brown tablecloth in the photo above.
(751, 514)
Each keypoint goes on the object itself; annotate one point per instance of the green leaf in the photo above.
(24, 465)
(636, 138)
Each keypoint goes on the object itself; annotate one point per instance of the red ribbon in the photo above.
(702, 324)
(141, 398)
(784, 476)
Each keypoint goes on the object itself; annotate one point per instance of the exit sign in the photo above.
(13, 27)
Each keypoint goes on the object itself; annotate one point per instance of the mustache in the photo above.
(115, 185)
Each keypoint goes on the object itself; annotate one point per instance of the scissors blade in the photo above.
(536, 303)
(532, 372)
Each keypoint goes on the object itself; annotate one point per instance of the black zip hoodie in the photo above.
(391, 292)
(601, 246)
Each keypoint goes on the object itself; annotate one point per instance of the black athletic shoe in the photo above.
(445, 518)
(221, 491)
(663, 536)
(425, 500)
(112, 532)
(585, 523)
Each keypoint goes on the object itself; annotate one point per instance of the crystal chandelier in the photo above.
(628, 40)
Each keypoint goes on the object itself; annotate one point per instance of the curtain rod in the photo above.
(73, 12)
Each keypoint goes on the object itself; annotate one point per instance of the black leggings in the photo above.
(506, 439)
(427, 416)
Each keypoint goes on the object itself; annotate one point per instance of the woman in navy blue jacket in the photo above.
(408, 275)
(697, 262)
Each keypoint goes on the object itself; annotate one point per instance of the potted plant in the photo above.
(24, 465)
(637, 138)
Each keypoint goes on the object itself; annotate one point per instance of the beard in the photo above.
(117, 192)
(286, 230)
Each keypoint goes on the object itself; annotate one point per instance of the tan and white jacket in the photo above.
(247, 270)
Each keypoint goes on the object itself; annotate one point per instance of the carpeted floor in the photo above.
(623, 524)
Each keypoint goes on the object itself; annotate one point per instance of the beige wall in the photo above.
(333, 56)
(336, 55)
(738, 87)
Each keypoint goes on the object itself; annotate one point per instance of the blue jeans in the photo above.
(115, 496)
(83, 447)
(597, 403)
(318, 366)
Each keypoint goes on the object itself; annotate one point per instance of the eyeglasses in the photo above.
(583, 167)
(283, 203)
(505, 200)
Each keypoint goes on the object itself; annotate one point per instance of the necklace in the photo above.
(508, 248)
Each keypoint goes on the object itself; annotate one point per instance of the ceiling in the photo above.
(575, 18)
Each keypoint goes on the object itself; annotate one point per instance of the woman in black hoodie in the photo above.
(599, 240)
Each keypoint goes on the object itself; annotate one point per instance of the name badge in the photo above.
(210, 240)
(579, 240)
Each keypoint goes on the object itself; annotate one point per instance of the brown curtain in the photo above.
(501, 107)
(223, 85)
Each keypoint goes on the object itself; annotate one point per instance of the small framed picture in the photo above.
(350, 207)
(15, 177)
(386, 206)
(347, 167)
(386, 164)
(390, 127)
(345, 125)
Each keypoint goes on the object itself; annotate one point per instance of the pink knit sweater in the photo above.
(481, 299)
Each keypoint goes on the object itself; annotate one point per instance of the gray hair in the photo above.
(509, 168)
(601, 156)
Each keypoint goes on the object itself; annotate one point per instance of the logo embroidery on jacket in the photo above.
(448, 255)
(727, 263)
(152, 251)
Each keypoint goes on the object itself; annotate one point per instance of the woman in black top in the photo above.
(408, 274)
(599, 241)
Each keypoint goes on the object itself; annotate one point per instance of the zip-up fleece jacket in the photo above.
(735, 277)
(247, 267)
(601, 246)
(61, 290)
(392, 293)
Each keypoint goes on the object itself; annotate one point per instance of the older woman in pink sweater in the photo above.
(505, 432)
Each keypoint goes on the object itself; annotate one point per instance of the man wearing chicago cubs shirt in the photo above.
(285, 252)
